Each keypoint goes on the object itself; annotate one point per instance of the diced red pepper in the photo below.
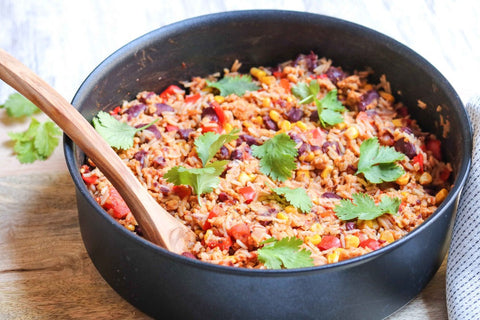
(322, 76)
(329, 242)
(445, 174)
(115, 111)
(214, 127)
(434, 145)
(370, 243)
(115, 204)
(171, 90)
(277, 74)
(170, 128)
(401, 206)
(418, 159)
(240, 232)
(223, 243)
(285, 84)
(182, 191)
(215, 212)
(91, 179)
(222, 119)
(248, 193)
(192, 99)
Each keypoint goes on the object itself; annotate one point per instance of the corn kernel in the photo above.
(341, 125)
(268, 80)
(387, 96)
(315, 239)
(290, 209)
(266, 103)
(302, 175)
(309, 157)
(351, 241)
(243, 178)
(397, 122)
(326, 172)
(219, 99)
(247, 124)
(425, 178)
(257, 73)
(285, 125)
(334, 256)
(274, 115)
(208, 234)
(365, 223)
(258, 120)
(131, 227)
(403, 179)
(289, 99)
(440, 196)
(282, 216)
(317, 228)
(228, 127)
(352, 133)
(387, 236)
(301, 125)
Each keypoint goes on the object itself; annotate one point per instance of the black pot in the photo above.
(368, 287)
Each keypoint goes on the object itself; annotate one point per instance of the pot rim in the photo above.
(132, 47)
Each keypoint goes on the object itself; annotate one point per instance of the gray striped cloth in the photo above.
(463, 266)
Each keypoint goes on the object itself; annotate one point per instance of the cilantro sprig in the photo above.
(377, 163)
(284, 253)
(296, 197)
(203, 180)
(329, 108)
(18, 106)
(277, 156)
(363, 207)
(117, 134)
(237, 85)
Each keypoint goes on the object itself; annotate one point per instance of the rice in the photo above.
(326, 163)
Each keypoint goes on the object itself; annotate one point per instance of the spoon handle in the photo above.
(156, 223)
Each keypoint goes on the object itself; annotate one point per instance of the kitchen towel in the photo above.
(463, 265)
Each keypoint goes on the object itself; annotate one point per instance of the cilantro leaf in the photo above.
(277, 156)
(329, 109)
(36, 143)
(209, 143)
(285, 253)
(237, 85)
(202, 180)
(18, 106)
(306, 92)
(296, 197)
(117, 134)
(377, 163)
(363, 207)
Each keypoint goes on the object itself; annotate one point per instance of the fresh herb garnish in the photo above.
(117, 134)
(202, 180)
(377, 163)
(285, 253)
(36, 143)
(237, 85)
(18, 106)
(277, 156)
(209, 143)
(329, 108)
(363, 207)
(296, 197)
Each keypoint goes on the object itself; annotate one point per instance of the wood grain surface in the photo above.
(45, 272)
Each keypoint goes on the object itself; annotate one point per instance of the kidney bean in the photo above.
(314, 116)
(405, 147)
(350, 225)
(310, 60)
(248, 139)
(189, 255)
(304, 147)
(140, 156)
(328, 144)
(159, 161)
(153, 129)
(222, 197)
(295, 137)
(162, 107)
(224, 153)
(335, 74)
(331, 195)
(236, 154)
(406, 130)
(295, 114)
(165, 190)
(269, 123)
(184, 133)
(367, 98)
(210, 112)
(135, 110)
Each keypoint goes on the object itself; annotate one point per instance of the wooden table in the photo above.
(45, 272)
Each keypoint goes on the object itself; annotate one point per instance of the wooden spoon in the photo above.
(156, 223)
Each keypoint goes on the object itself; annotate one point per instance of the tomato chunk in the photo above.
(215, 212)
(214, 127)
(418, 159)
(370, 243)
(240, 232)
(248, 193)
(223, 243)
(182, 191)
(115, 205)
(329, 242)
(171, 90)
(192, 99)
(434, 145)
(285, 84)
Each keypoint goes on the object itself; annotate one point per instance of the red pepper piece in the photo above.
(445, 174)
(277, 74)
(223, 243)
(115, 111)
(115, 205)
(212, 128)
(240, 232)
(222, 119)
(192, 99)
(248, 194)
(182, 191)
(418, 159)
(215, 212)
(285, 84)
(170, 127)
(434, 145)
(329, 242)
(171, 90)
(370, 243)
(90, 179)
